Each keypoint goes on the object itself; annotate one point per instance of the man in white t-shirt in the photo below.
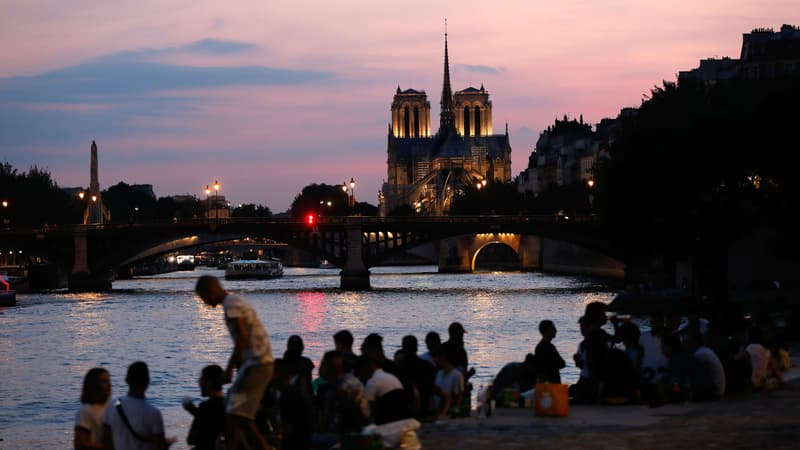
(131, 423)
(384, 392)
(251, 357)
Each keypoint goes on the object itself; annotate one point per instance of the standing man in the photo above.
(130, 421)
(252, 359)
(459, 356)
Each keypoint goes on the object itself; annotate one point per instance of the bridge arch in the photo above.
(459, 253)
(492, 244)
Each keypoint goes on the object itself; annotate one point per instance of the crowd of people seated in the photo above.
(353, 391)
(700, 360)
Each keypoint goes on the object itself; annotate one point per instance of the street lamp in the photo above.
(352, 192)
(86, 214)
(208, 203)
(590, 185)
(6, 219)
(216, 201)
(351, 199)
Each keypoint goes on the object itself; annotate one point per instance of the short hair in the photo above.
(433, 336)
(596, 312)
(213, 376)
(206, 282)
(373, 341)
(409, 343)
(138, 375)
(344, 336)
(546, 325)
(91, 393)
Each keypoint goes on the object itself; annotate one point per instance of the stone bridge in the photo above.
(352, 243)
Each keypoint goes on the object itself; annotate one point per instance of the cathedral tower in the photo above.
(411, 114)
(473, 111)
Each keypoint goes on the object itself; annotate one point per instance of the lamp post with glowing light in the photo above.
(6, 219)
(89, 201)
(590, 185)
(351, 199)
(208, 203)
(216, 201)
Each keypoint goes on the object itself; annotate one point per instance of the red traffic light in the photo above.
(311, 219)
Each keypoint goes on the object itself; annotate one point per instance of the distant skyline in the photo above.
(267, 97)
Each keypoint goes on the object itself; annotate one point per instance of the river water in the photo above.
(49, 341)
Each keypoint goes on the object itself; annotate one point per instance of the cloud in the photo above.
(216, 46)
(135, 73)
(480, 68)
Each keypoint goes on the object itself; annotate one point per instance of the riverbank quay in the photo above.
(747, 421)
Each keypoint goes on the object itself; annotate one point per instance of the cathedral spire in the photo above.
(447, 122)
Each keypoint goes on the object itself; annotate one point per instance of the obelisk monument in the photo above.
(95, 207)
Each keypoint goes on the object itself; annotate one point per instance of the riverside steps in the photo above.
(768, 420)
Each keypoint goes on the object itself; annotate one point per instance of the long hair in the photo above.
(91, 393)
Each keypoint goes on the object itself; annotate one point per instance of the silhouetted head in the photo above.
(210, 290)
(409, 344)
(373, 346)
(456, 331)
(138, 376)
(294, 345)
(96, 387)
(210, 379)
(432, 340)
(332, 366)
(343, 340)
(547, 329)
(596, 313)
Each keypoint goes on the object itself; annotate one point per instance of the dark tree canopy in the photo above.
(34, 199)
(251, 210)
(703, 162)
(321, 199)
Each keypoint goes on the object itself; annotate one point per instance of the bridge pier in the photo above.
(354, 276)
(82, 279)
(455, 255)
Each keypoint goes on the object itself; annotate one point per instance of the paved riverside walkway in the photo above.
(763, 420)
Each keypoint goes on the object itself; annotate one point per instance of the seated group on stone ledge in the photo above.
(699, 360)
(353, 391)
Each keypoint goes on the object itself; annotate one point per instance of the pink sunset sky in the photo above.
(269, 96)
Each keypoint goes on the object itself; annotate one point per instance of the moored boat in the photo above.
(254, 269)
(8, 297)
